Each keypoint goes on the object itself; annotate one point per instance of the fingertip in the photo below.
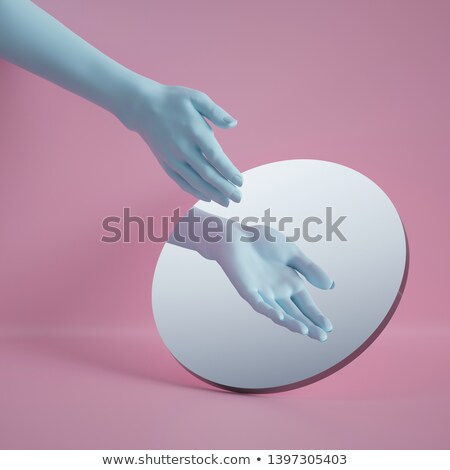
(318, 334)
(237, 180)
(312, 272)
(324, 323)
(236, 196)
(224, 202)
(229, 121)
(323, 337)
(320, 278)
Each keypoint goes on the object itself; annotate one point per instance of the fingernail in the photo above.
(228, 120)
(237, 180)
(332, 285)
(223, 202)
(236, 196)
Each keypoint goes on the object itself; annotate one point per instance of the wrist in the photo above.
(216, 245)
(206, 233)
(134, 92)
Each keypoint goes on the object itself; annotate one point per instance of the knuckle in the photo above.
(300, 287)
(184, 149)
(181, 91)
(249, 294)
(294, 285)
(198, 95)
(214, 155)
(277, 320)
(208, 172)
(208, 148)
(175, 163)
(204, 96)
(197, 133)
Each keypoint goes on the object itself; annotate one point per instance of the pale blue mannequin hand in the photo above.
(170, 119)
(266, 273)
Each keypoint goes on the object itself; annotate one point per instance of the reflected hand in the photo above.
(268, 274)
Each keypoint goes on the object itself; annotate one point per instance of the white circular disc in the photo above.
(218, 337)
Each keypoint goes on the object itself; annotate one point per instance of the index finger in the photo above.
(214, 153)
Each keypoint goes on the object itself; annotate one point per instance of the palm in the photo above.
(266, 273)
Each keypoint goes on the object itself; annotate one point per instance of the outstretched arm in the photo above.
(170, 119)
(268, 272)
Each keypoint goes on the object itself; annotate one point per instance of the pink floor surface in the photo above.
(360, 83)
(128, 392)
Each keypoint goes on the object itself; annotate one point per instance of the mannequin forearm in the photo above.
(170, 119)
(34, 40)
(203, 232)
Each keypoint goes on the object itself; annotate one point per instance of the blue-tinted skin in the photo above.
(171, 119)
(268, 273)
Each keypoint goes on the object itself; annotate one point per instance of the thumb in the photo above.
(207, 108)
(312, 272)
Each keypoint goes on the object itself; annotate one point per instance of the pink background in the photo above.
(361, 83)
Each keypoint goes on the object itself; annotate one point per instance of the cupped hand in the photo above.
(269, 274)
(172, 121)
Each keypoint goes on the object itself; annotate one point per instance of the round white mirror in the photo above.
(354, 233)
